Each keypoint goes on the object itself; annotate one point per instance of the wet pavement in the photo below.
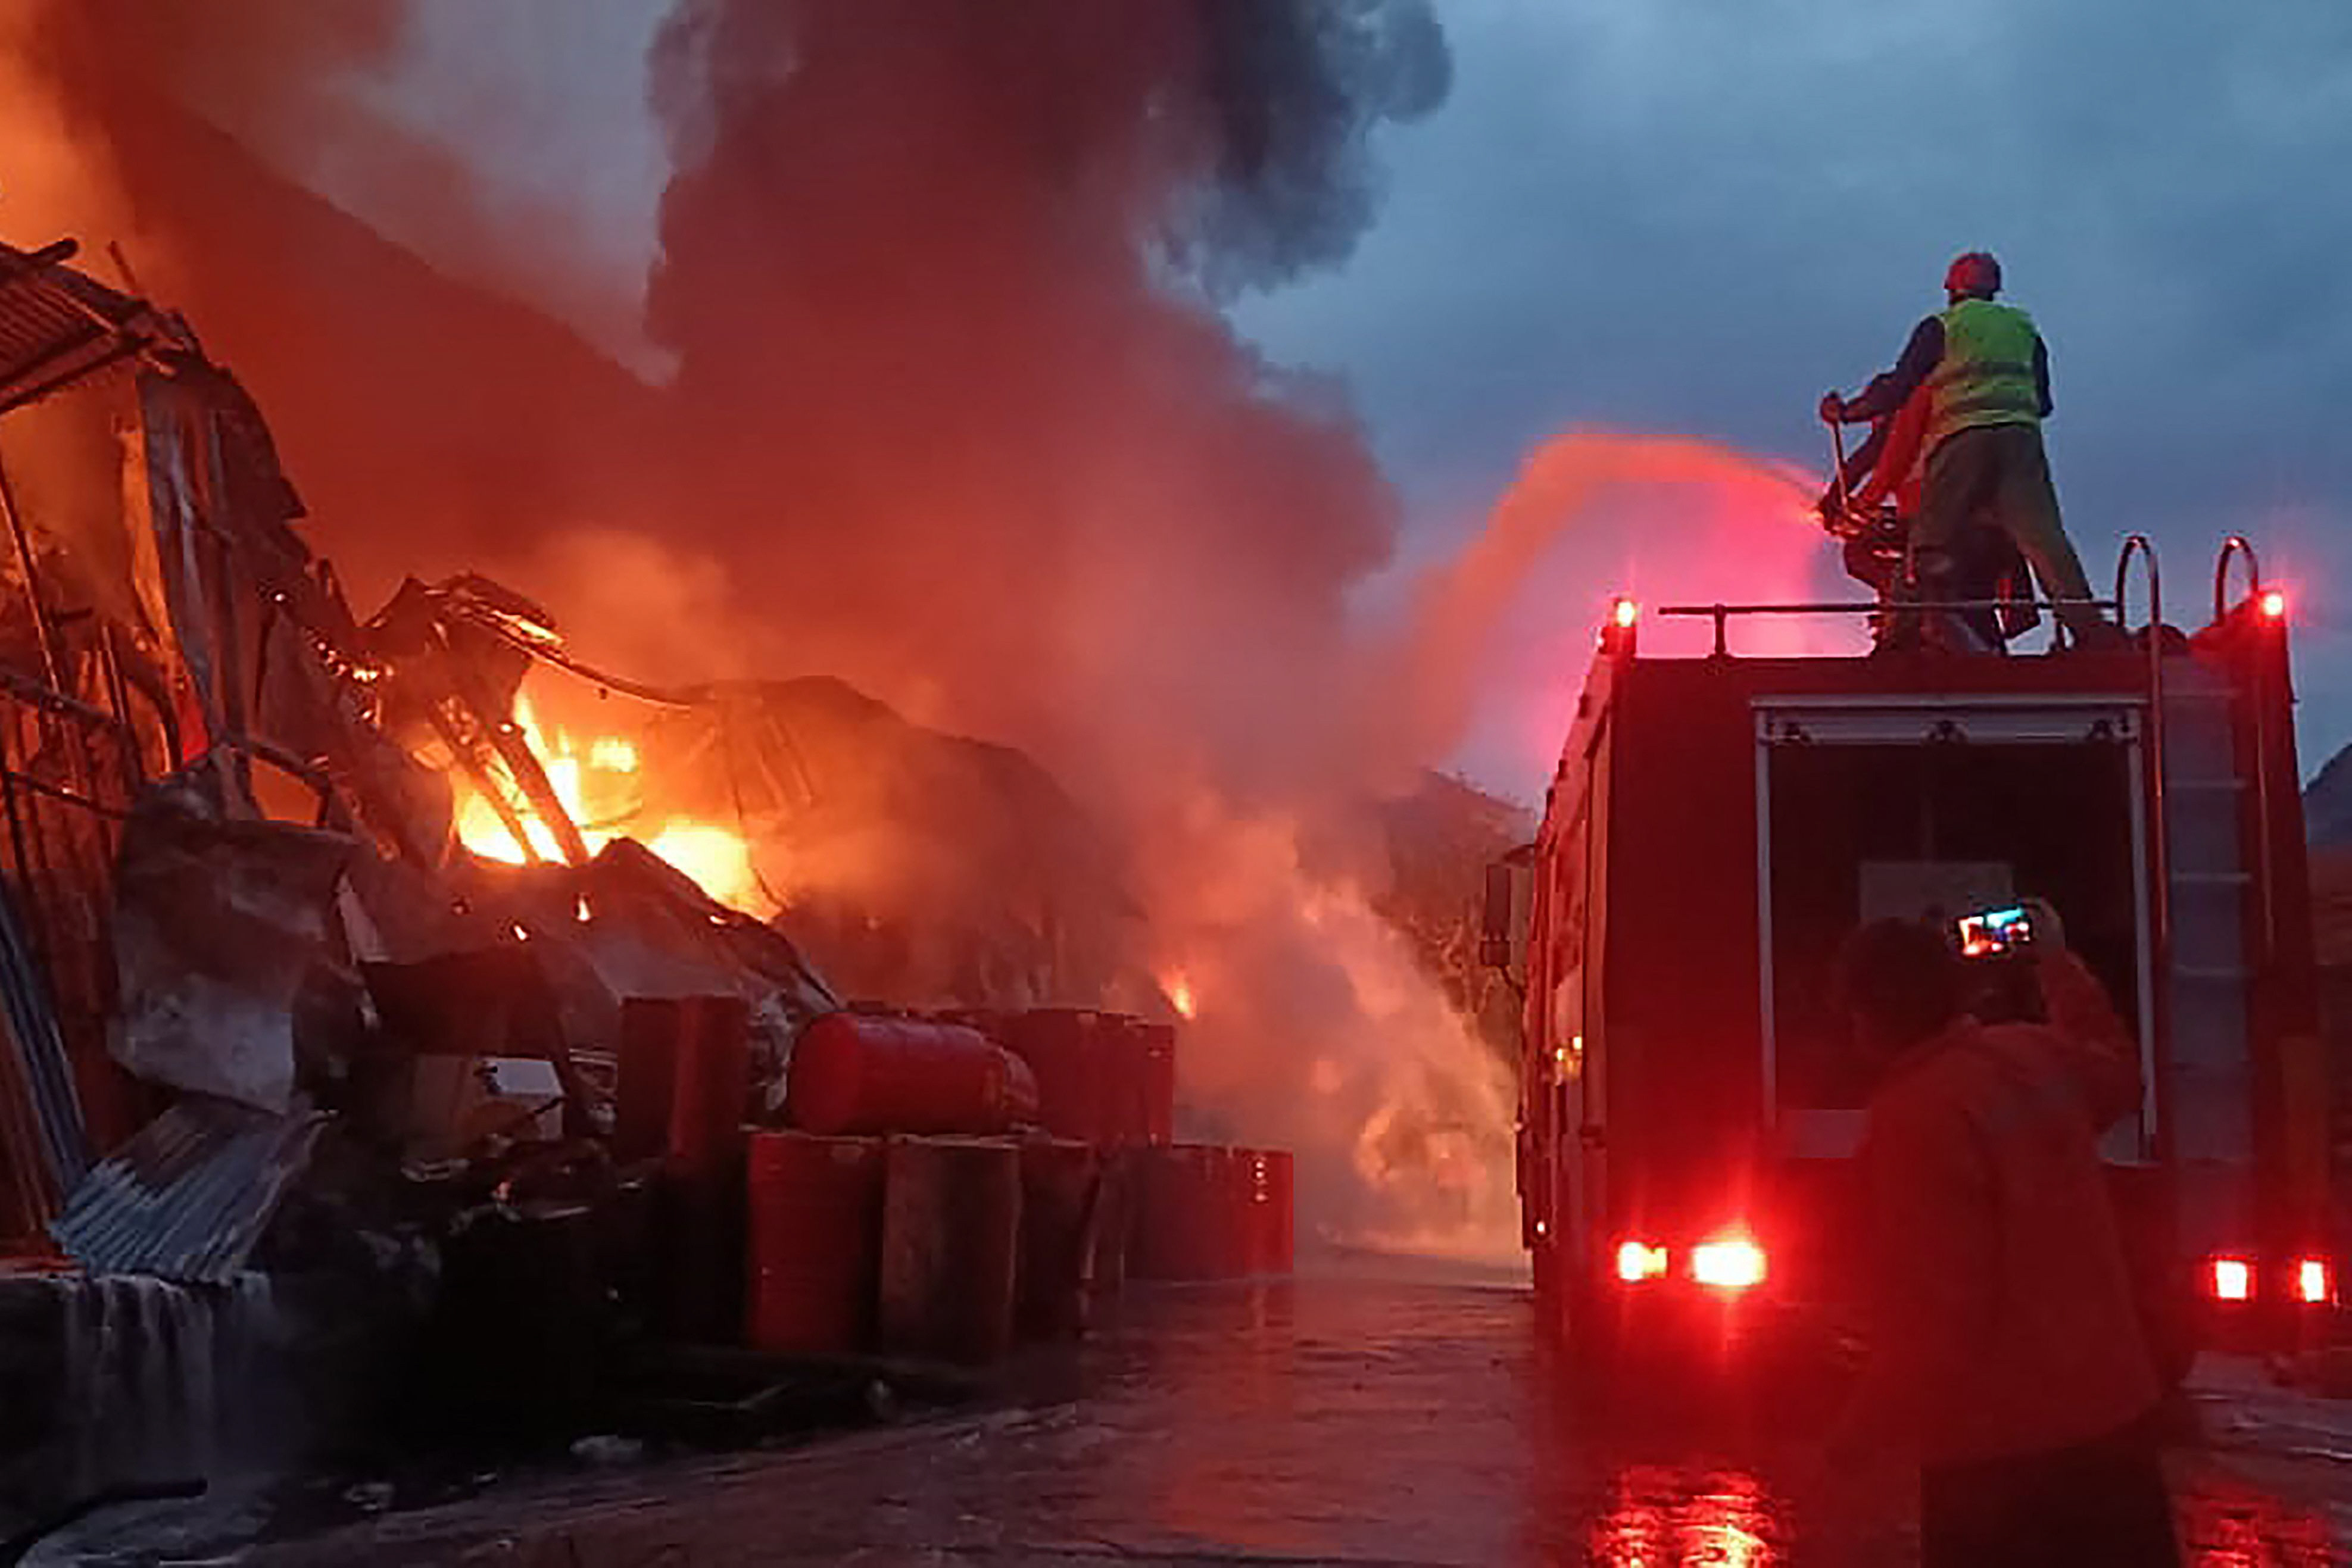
(1358, 1421)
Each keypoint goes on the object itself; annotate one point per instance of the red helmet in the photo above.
(1976, 272)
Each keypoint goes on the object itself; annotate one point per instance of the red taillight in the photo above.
(1638, 1261)
(1727, 1263)
(1618, 632)
(2312, 1284)
(2231, 1280)
(2274, 604)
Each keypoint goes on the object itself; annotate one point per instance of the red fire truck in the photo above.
(1718, 823)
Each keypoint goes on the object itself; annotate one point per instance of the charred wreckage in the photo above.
(588, 1143)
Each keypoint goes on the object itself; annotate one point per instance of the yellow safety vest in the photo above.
(1986, 376)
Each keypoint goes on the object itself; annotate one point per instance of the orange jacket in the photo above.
(2003, 1318)
(1899, 471)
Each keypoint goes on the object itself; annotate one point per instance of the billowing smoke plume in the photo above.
(941, 282)
(938, 277)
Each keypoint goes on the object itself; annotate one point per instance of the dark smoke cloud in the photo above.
(939, 279)
(1296, 91)
(942, 283)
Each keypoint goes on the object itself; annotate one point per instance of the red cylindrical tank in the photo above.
(855, 1072)
(815, 1243)
(1187, 1225)
(951, 1245)
(1270, 1218)
(1061, 1181)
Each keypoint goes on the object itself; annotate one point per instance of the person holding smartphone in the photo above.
(2007, 1354)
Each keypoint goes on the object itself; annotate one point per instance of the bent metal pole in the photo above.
(23, 543)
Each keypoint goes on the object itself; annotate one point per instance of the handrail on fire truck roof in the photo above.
(2236, 545)
(1721, 614)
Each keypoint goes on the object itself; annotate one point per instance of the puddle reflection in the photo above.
(2225, 1522)
(1660, 1516)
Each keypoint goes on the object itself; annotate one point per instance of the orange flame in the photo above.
(600, 784)
(1179, 989)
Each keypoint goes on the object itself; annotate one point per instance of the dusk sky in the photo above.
(1694, 216)
(1697, 217)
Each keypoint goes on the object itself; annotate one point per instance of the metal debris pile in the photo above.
(340, 986)
(266, 1013)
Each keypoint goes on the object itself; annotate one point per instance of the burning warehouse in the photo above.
(418, 928)
(404, 937)
(290, 890)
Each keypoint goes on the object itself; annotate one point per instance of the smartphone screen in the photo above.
(1992, 932)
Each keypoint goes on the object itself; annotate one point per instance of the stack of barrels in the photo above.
(948, 1186)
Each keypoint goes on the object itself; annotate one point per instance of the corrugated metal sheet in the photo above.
(56, 324)
(188, 1198)
(39, 1108)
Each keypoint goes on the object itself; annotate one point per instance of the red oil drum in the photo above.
(1064, 1047)
(855, 1072)
(1155, 1118)
(814, 1234)
(1061, 1183)
(1107, 1077)
(688, 1061)
(950, 1247)
(1111, 1234)
(1269, 1215)
(686, 1079)
(1187, 1224)
(647, 1087)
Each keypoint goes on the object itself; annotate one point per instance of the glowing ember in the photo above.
(597, 781)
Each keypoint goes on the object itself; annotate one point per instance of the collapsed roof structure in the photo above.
(215, 818)
(242, 828)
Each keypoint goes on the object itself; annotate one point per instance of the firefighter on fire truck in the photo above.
(1870, 506)
(1986, 373)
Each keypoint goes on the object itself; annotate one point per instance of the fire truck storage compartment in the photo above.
(1908, 812)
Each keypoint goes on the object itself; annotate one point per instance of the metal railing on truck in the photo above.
(1722, 615)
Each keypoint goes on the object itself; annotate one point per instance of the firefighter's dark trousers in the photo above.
(2099, 1502)
(1999, 476)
